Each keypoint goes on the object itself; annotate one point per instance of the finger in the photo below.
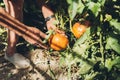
(41, 45)
(37, 32)
(60, 31)
(43, 35)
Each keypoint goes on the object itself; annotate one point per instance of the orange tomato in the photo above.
(58, 41)
(78, 29)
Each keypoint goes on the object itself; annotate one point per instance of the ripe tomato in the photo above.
(78, 29)
(58, 41)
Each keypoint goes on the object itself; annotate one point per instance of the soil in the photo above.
(44, 66)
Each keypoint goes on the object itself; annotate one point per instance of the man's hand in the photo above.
(36, 32)
(30, 34)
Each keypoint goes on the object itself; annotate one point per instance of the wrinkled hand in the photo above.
(38, 33)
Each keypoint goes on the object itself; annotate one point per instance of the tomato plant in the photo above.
(97, 50)
(96, 54)
(58, 41)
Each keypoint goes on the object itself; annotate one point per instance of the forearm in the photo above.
(14, 8)
(47, 12)
(49, 17)
(45, 9)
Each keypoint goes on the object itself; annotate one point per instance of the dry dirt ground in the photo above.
(43, 67)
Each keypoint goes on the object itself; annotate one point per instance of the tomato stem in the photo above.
(70, 22)
(101, 48)
(50, 32)
(69, 72)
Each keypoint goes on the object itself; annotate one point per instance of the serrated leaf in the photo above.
(113, 43)
(84, 68)
(116, 62)
(86, 65)
(110, 63)
(116, 24)
(91, 76)
(80, 49)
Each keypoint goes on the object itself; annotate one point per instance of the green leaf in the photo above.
(72, 10)
(113, 43)
(116, 62)
(84, 68)
(80, 7)
(2, 31)
(108, 17)
(91, 76)
(2, 4)
(110, 63)
(118, 78)
(80, 47)
(102, 2)
(115, 24)
(86, 65)
(76, 6)
(69, 1)
(94, 7)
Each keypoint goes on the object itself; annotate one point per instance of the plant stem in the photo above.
(101, 48)
(69, 72)
(70, 22)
